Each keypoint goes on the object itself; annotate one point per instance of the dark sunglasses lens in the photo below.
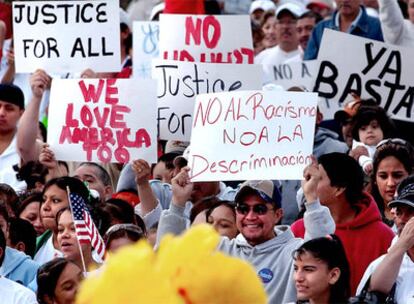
(260, 209)
(242, 209)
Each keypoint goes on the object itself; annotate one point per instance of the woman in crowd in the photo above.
(222, 216)
(55, 198)
(29, 210)
(393, 161)
(268, 25)
(321, 271)
(58, 281)
(69, 244)
(120, 235)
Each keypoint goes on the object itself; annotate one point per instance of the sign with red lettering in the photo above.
(180, 82)
(103, 120)
(250, 135)
(66, 36)
(206, 38)
(371, 69)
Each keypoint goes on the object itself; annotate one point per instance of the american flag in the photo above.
(84, 225)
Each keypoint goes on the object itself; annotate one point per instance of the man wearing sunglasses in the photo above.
(263, 244)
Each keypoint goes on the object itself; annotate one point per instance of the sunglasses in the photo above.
(259, 209)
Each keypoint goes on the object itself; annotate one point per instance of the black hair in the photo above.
(366, 114)
(344, 171)
(3, 211)
(330, 250)
(43, 131)
(2, 246)
(119, 210)
(30, 198)
(168, 159)
(228, 204)
(21, 230)
(47, 276)
(9, 197)
(403, 151)
(311, 14)
(103, 175)
(201, 205)
(75, 186)
(32, 172)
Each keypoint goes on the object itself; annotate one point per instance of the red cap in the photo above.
(184, 7)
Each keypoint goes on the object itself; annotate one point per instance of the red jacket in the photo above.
(365, 238)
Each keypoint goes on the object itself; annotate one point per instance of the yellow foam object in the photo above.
(185, 269)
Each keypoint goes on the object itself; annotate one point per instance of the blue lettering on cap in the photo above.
(266, 275)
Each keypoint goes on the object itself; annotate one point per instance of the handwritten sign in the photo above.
(66, 36)
(180, 82)
(291, 74)
(206, 38)
(249, 135)
(370, 68)
(145, 47)
(103, 120)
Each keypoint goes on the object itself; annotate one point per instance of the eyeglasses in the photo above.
(259, 209)
(397, 141)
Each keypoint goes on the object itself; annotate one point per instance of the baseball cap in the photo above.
(322, 4)
(405, 197)
(265, 5)
(176, 146)
(12, 94)
(268, 190)
(292, 8)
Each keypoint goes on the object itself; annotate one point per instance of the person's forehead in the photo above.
(87, 171)
(306, 20)
(8, 104)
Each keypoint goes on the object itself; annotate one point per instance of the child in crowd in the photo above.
(370, 126)
(321, 271)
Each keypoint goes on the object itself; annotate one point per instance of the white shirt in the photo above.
(47, 252)
(275, 56)
(8, 159)
(404, 291)
(14, 293)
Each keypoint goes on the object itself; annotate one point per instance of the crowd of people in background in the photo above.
(345, 233)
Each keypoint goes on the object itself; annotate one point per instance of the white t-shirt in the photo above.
(8, 159)
(47, 252)
(404, 291)
(275, 56)
(14, 293)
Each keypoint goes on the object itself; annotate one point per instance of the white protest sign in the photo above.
(206, 38)
(180, 82)
(249, 135)
(287, 75)
(145, 47)
(103, 120)
(369, 68)
(66, 36)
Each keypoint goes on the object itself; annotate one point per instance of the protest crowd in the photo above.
(207, 151)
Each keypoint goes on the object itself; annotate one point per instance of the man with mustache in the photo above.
(286, 35)
(351, 17)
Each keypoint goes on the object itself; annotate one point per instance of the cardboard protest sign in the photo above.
(370, 68)
(291, 74)
(249, 135)
(66, 36)
(206, 38)
(145, 47)
(180, 82)
(103, 120)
